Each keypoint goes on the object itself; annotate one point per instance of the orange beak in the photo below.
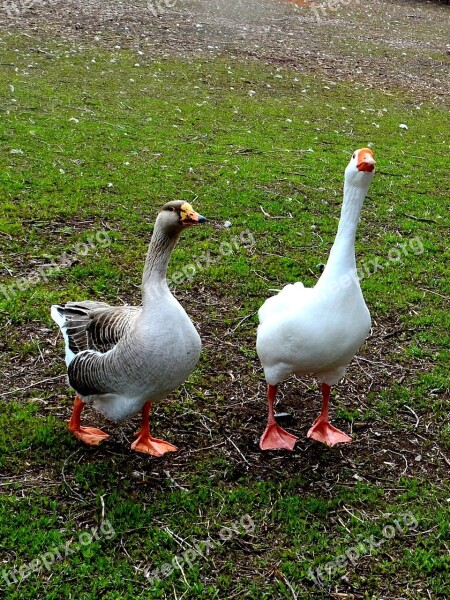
(366, 161)
(193, 218)
(189, 216)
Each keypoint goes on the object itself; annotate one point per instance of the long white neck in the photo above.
(342, 255)
(159, 252)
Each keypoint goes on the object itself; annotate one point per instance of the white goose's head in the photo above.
(176, 215)
(360, 169)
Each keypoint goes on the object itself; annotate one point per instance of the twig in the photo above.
(230, 440)
(180, 566)
(435, 293)
(373, 362)
(240, 323)
(444, 457)
(64, 476)
(266, 214)
(415, 414)
(344, 525)
(281, 576)
(396, 332)
(42, 52)
(389, 174)
(103, 506)
(206, 448)
(404, 458)
(419, 218)
(179, 540)
(416, 533)
(172, 480)
(32, 385)
(125, 550)
(352, 515)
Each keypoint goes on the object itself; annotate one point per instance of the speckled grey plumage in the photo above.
(120, 357)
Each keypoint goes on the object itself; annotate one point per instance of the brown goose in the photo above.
(123, 359)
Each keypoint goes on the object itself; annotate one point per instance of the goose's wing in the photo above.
(290, 296)
(92, 325)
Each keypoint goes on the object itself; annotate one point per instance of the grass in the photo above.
(91, 147)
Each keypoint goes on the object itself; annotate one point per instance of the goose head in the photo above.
(360, 169)
(176, 215)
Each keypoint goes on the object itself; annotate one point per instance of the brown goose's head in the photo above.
(176, 215)
(179, 213)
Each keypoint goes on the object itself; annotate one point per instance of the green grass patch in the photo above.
(91, 147)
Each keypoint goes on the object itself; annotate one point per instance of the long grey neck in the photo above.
(342, 254)
(159, 251)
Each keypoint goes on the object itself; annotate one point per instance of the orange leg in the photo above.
(322, 430)
(89, 435)
(145, 442)
(274, 436)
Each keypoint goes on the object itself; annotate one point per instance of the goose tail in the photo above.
(58, 315)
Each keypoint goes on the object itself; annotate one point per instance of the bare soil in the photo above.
(229, 417)
(393, 45)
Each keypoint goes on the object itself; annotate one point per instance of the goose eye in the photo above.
(354, 154)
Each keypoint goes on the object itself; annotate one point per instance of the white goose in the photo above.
(123, 359)
(317, 331)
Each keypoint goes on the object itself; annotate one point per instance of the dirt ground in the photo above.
(389, 44)
(382, 43)
(409, 453)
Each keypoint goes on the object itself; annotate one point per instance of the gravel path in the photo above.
(388, 44)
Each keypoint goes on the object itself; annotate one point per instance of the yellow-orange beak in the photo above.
(189, 216)
(366, 161)
(193, 218)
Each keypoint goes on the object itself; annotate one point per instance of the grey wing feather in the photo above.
(96, 325)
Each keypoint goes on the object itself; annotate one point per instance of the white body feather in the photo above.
(61, 322)
(317, 331)
(311, 331)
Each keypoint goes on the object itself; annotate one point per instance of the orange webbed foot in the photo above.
(150, 445)
(323, 431)
(90, 435)
(276, 438)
